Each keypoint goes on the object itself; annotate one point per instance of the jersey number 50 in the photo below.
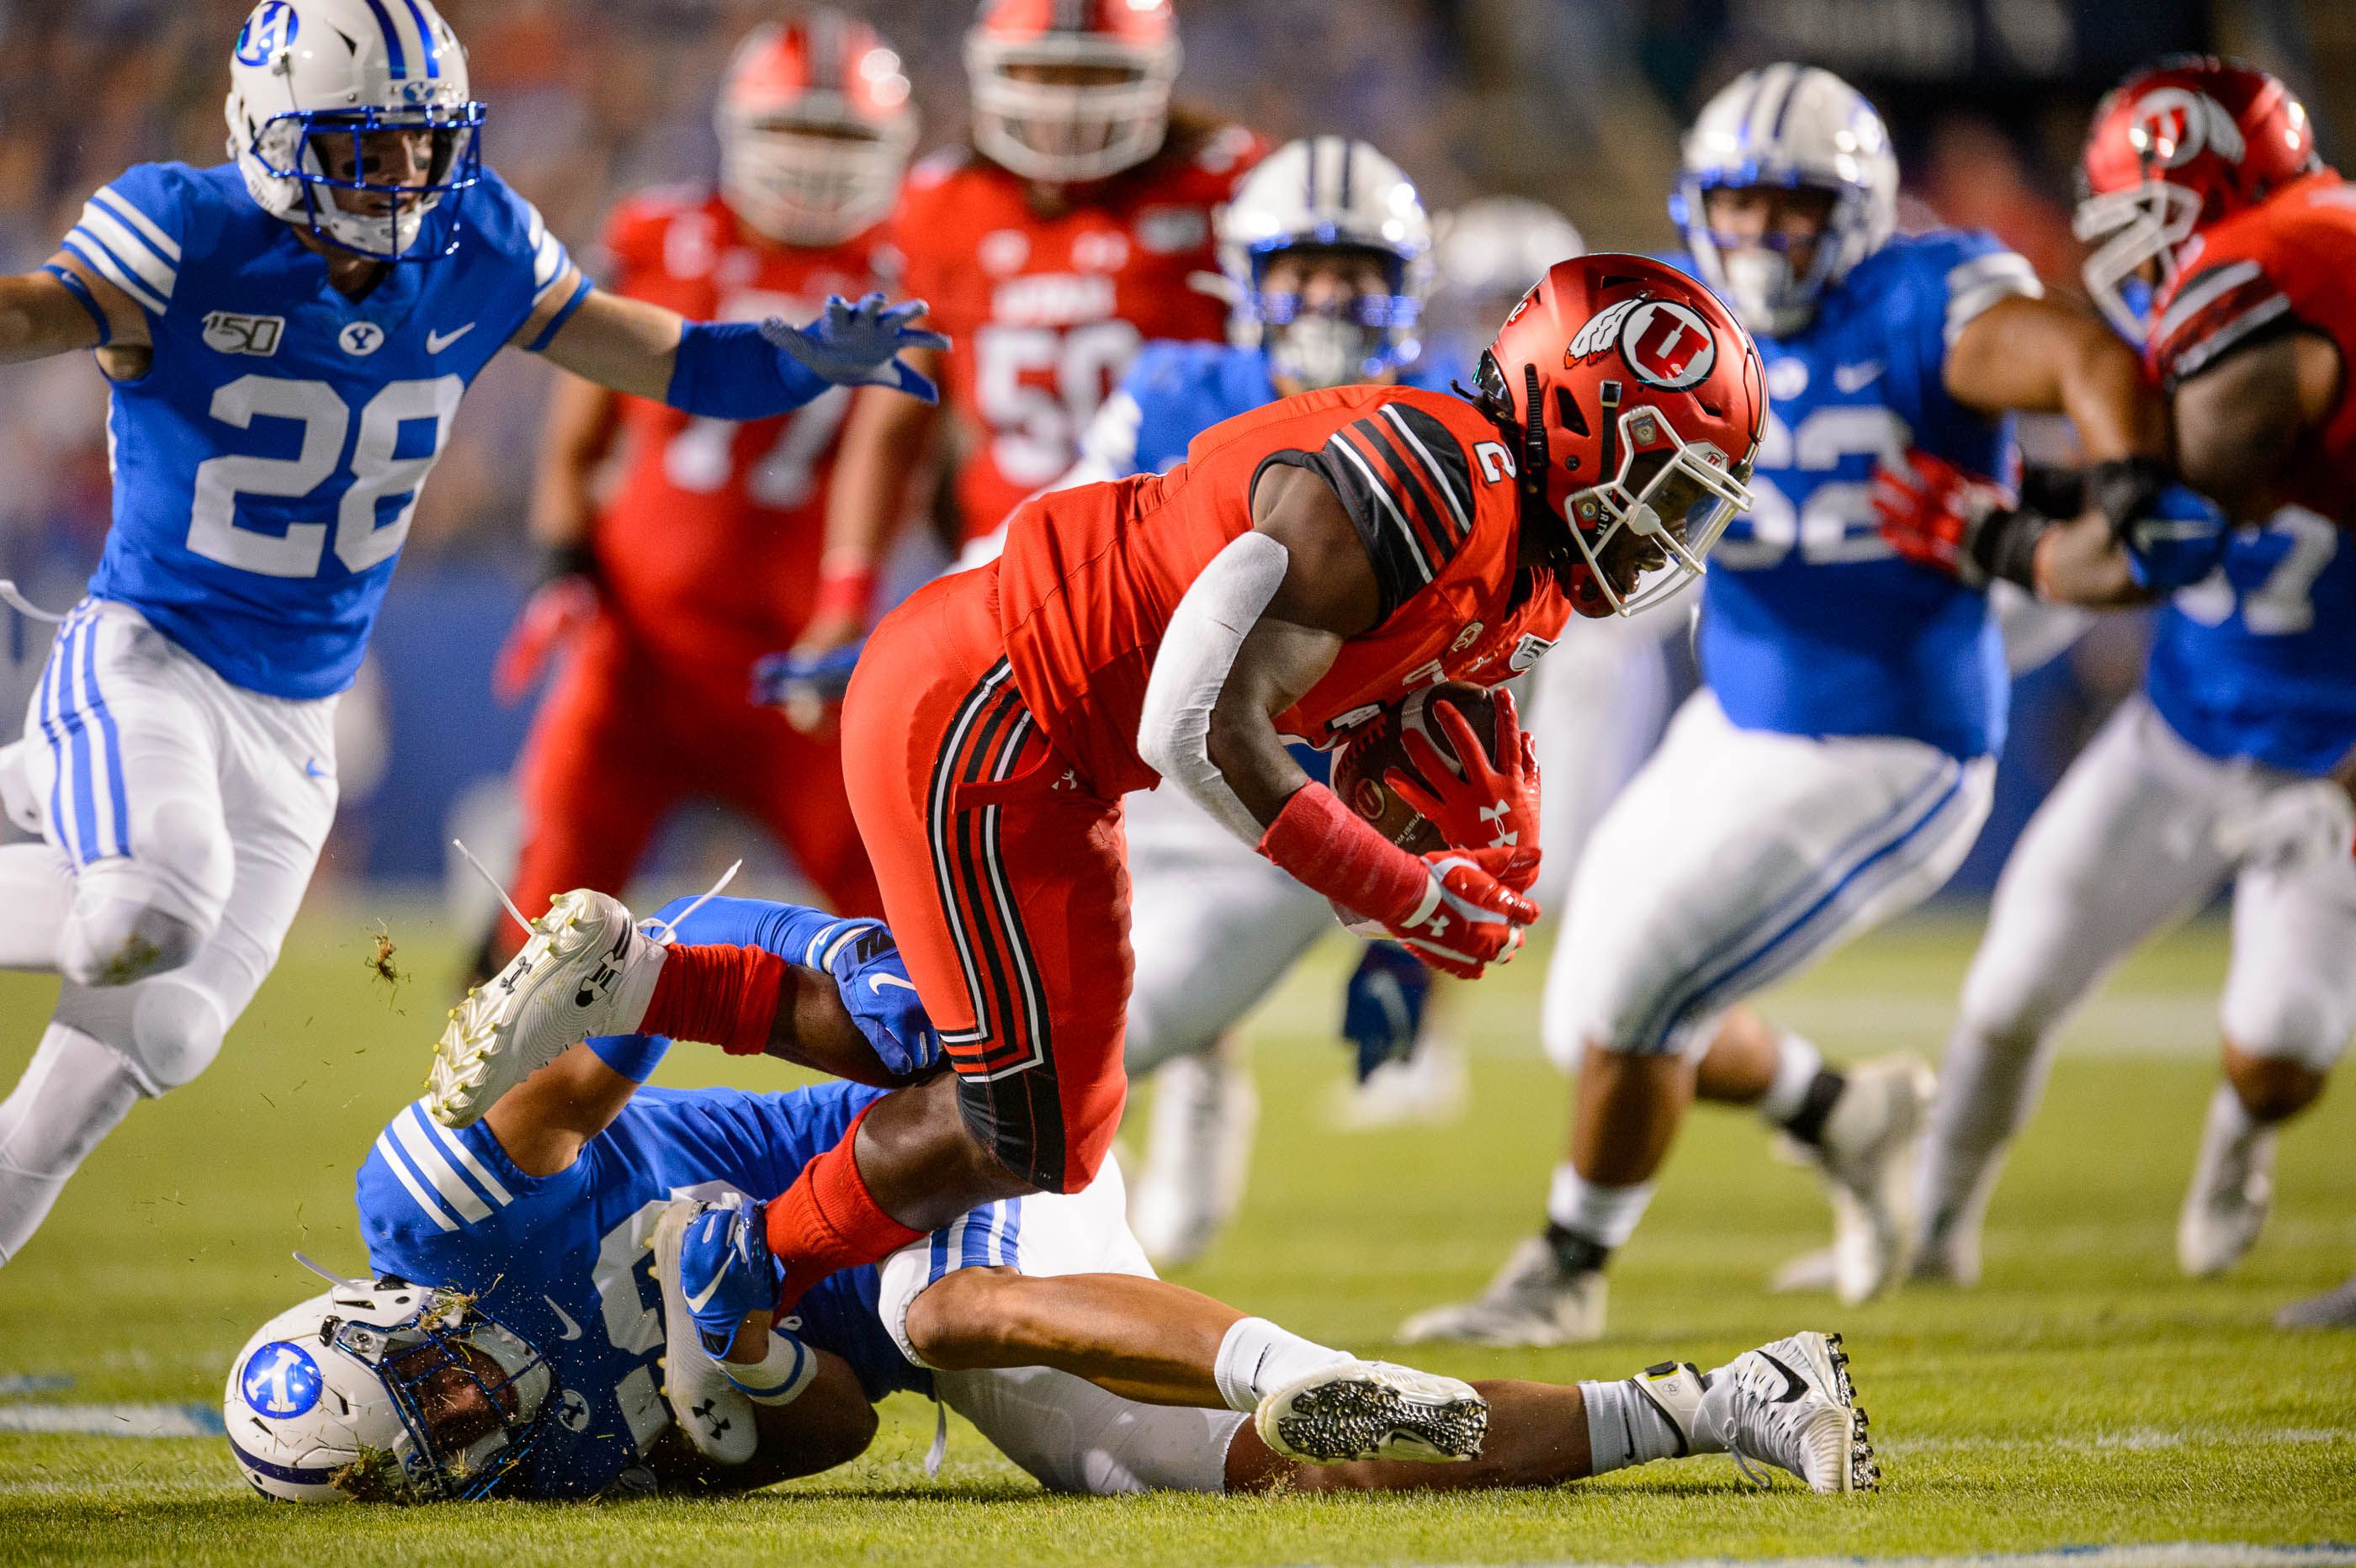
(375, 474)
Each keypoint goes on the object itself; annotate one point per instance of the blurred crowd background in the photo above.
(1576, 102)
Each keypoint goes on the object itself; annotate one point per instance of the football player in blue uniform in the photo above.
(546, 1281)
(287, 335)
(1836, 766)
(2222, 769)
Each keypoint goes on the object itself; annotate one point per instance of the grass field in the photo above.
(2084, 1395)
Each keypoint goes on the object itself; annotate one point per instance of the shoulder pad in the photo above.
(2210, 311)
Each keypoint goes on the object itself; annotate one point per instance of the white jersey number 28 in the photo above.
(359, 541)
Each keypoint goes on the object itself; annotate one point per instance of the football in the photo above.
(1378, 746)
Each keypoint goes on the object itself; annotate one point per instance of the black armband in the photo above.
(576, 559)
(2056, 492)
(2125, 489)
(2005, 544)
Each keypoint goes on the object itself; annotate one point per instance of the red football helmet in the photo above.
(814, 128)
(1068, 91)
(2173, 149)
(1634, 401)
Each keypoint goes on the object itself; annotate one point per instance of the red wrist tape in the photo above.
(1332, 848)
(843, 590)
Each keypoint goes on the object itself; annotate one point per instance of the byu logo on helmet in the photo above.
(270, 29)
(2175, 124)
(1667, 344)
(281, 1378)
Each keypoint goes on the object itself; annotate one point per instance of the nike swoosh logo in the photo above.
(312, 770)
(1857, 377)
(697, 1302)
(437, 341)
(877, 982)
(571, 1330)
(1794, 1388)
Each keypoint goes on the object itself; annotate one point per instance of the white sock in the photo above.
(1626, 1426)
(778, 1378)
(1987, 1086)
(1604, 1215)
(2230, 1129)
(1258, 1357)
(1797, 1062)
(76, 1091)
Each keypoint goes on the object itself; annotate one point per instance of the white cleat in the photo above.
(1197, 1155)
(1868, 1154)
(1373, 1410)
(585, 970)
(2334, 1309)
(714, 1413)
(1790, 1405)
(1429, 1087)
(1533, 1302)
(2232, 1190)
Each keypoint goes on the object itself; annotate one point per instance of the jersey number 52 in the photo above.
(361, 541)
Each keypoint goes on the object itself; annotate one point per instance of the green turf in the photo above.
(2084, 1394)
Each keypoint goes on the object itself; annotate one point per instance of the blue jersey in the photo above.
(266, 465)
(1811, 625)
(564, 1259)
(2258, 660)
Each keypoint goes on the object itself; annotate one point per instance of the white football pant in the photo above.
(180, 818)
(2139, 834)
(1736, 858)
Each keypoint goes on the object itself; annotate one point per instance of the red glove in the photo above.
(1457, 909)
(556, 613)
(1493, 803)
(1931, 513)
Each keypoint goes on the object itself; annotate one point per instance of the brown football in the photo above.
(1375, 747)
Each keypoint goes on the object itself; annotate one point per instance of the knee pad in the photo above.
(118, 941)
(176, 1032)
(2297, 1024)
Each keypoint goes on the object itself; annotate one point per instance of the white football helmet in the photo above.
(1791, 126)
(307, 74)
(1029, 117)
(1327, 193)
(1487, 254)
(815, 129)
(385, 1391)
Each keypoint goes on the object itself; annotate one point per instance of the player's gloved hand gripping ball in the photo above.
(1451, 768)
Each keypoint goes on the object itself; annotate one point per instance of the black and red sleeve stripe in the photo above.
(2217, 310)
(1403, 477)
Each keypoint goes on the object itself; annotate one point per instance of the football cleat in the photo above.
(1373, 1410)
(1867, 1154)
(1533, 1301)
(2334, 1309)
(2232, 1191)
(585, 970)
(714, 1413)
(1197, 1155)
(1789, 1406)
(1429, 1087)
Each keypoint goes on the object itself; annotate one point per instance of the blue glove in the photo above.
(779, 679)
(858, 344)
(1381, 1010)
(2176, 540)
(726, 1270)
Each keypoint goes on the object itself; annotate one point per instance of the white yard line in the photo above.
(190, 1420)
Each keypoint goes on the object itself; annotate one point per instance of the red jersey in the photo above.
(1046, 312)
(710, 545)
(1091, 575)
(2285, 262)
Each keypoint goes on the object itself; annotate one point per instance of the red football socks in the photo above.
(718, 993)
(828, 1220)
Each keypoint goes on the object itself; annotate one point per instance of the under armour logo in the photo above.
(712, 1423)
(1494, 816)
(599, 982)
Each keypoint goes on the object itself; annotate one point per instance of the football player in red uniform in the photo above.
(2225, 246)
(1075, 226)
(1310, 562)
(705, 556)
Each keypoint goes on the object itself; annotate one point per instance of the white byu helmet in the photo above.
(1488, 254)
(311, 73)
(1793, 127)
(1327, 193)
(385, 1391)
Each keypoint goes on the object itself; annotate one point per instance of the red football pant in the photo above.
(1004, 877)
(619, 742)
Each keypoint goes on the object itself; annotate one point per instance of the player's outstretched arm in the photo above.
(732, 370)
(62, 307)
